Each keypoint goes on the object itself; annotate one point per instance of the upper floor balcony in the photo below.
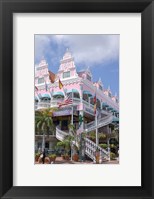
(80, 103)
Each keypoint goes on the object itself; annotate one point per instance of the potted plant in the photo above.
(67, 156)
(63, 156)
(75, 157)
(112, 156)
(47, 160)
(37, 155)
(52, 157)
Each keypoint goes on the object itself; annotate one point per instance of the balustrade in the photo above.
(76, 101)
(101, 122)
(60, 135)
(91, 148)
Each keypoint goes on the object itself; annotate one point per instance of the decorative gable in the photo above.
(67, 67)
(41, 72)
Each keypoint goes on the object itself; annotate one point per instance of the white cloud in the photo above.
(94, 48)
(42, 45)
(89, 49)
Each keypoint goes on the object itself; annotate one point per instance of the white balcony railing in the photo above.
(76, 101)
(61, 135)
(42, 105)
(91, 148)
(100, 123)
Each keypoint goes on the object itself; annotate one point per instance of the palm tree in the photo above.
(44, 123)
(73, 139)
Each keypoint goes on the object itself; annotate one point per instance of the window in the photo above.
(88, 77)
(40, 80)
(110, 95)
(100, 87)
(66, 74)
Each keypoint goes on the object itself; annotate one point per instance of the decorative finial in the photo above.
(88, 68)
(99, 80)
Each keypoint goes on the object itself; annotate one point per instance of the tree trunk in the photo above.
(43, 142)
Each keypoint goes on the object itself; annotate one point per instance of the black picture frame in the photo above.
(7, 8)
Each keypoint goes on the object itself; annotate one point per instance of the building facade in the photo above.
(81, 89)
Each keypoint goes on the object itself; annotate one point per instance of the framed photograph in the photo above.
(76, 118)
(76, 99)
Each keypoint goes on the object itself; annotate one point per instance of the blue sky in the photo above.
(98, 52)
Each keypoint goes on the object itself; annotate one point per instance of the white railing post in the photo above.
(91, 148)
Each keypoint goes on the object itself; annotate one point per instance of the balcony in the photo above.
(76, 101)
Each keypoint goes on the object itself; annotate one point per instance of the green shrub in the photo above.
(92, 135)
(112, 146)
(102, 136)
(112, 156)
(60, 144)
(104, 146)
(52, 156)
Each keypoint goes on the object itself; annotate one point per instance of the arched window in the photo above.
(58, 95)
(86, 95)
(98, 104)
(45, 97)
(66, 74)
(41, 80)
(73, 93)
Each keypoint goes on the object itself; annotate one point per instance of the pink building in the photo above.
(80, 87)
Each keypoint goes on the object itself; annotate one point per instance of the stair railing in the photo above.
(91, 148)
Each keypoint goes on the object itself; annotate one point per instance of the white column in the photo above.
(50, 144)
(72, 109)
(108, 144)
(89, 101)
(72, 116)
(43, 142)
(97, 141)
(81, 126)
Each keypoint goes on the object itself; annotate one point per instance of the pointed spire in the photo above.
(42, 57)
(99, 80)
(67, 55)
(88, 68)
(109, 88)
(43, 61)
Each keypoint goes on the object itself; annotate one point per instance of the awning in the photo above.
(45, 95)
(73, 91)
(36, 99)
(58, 93)
(115, 119)
(110, 108)
(105, 104)
(87, 93)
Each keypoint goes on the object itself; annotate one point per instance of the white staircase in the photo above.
(61, 135)
(91, 148)
(100, 123)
